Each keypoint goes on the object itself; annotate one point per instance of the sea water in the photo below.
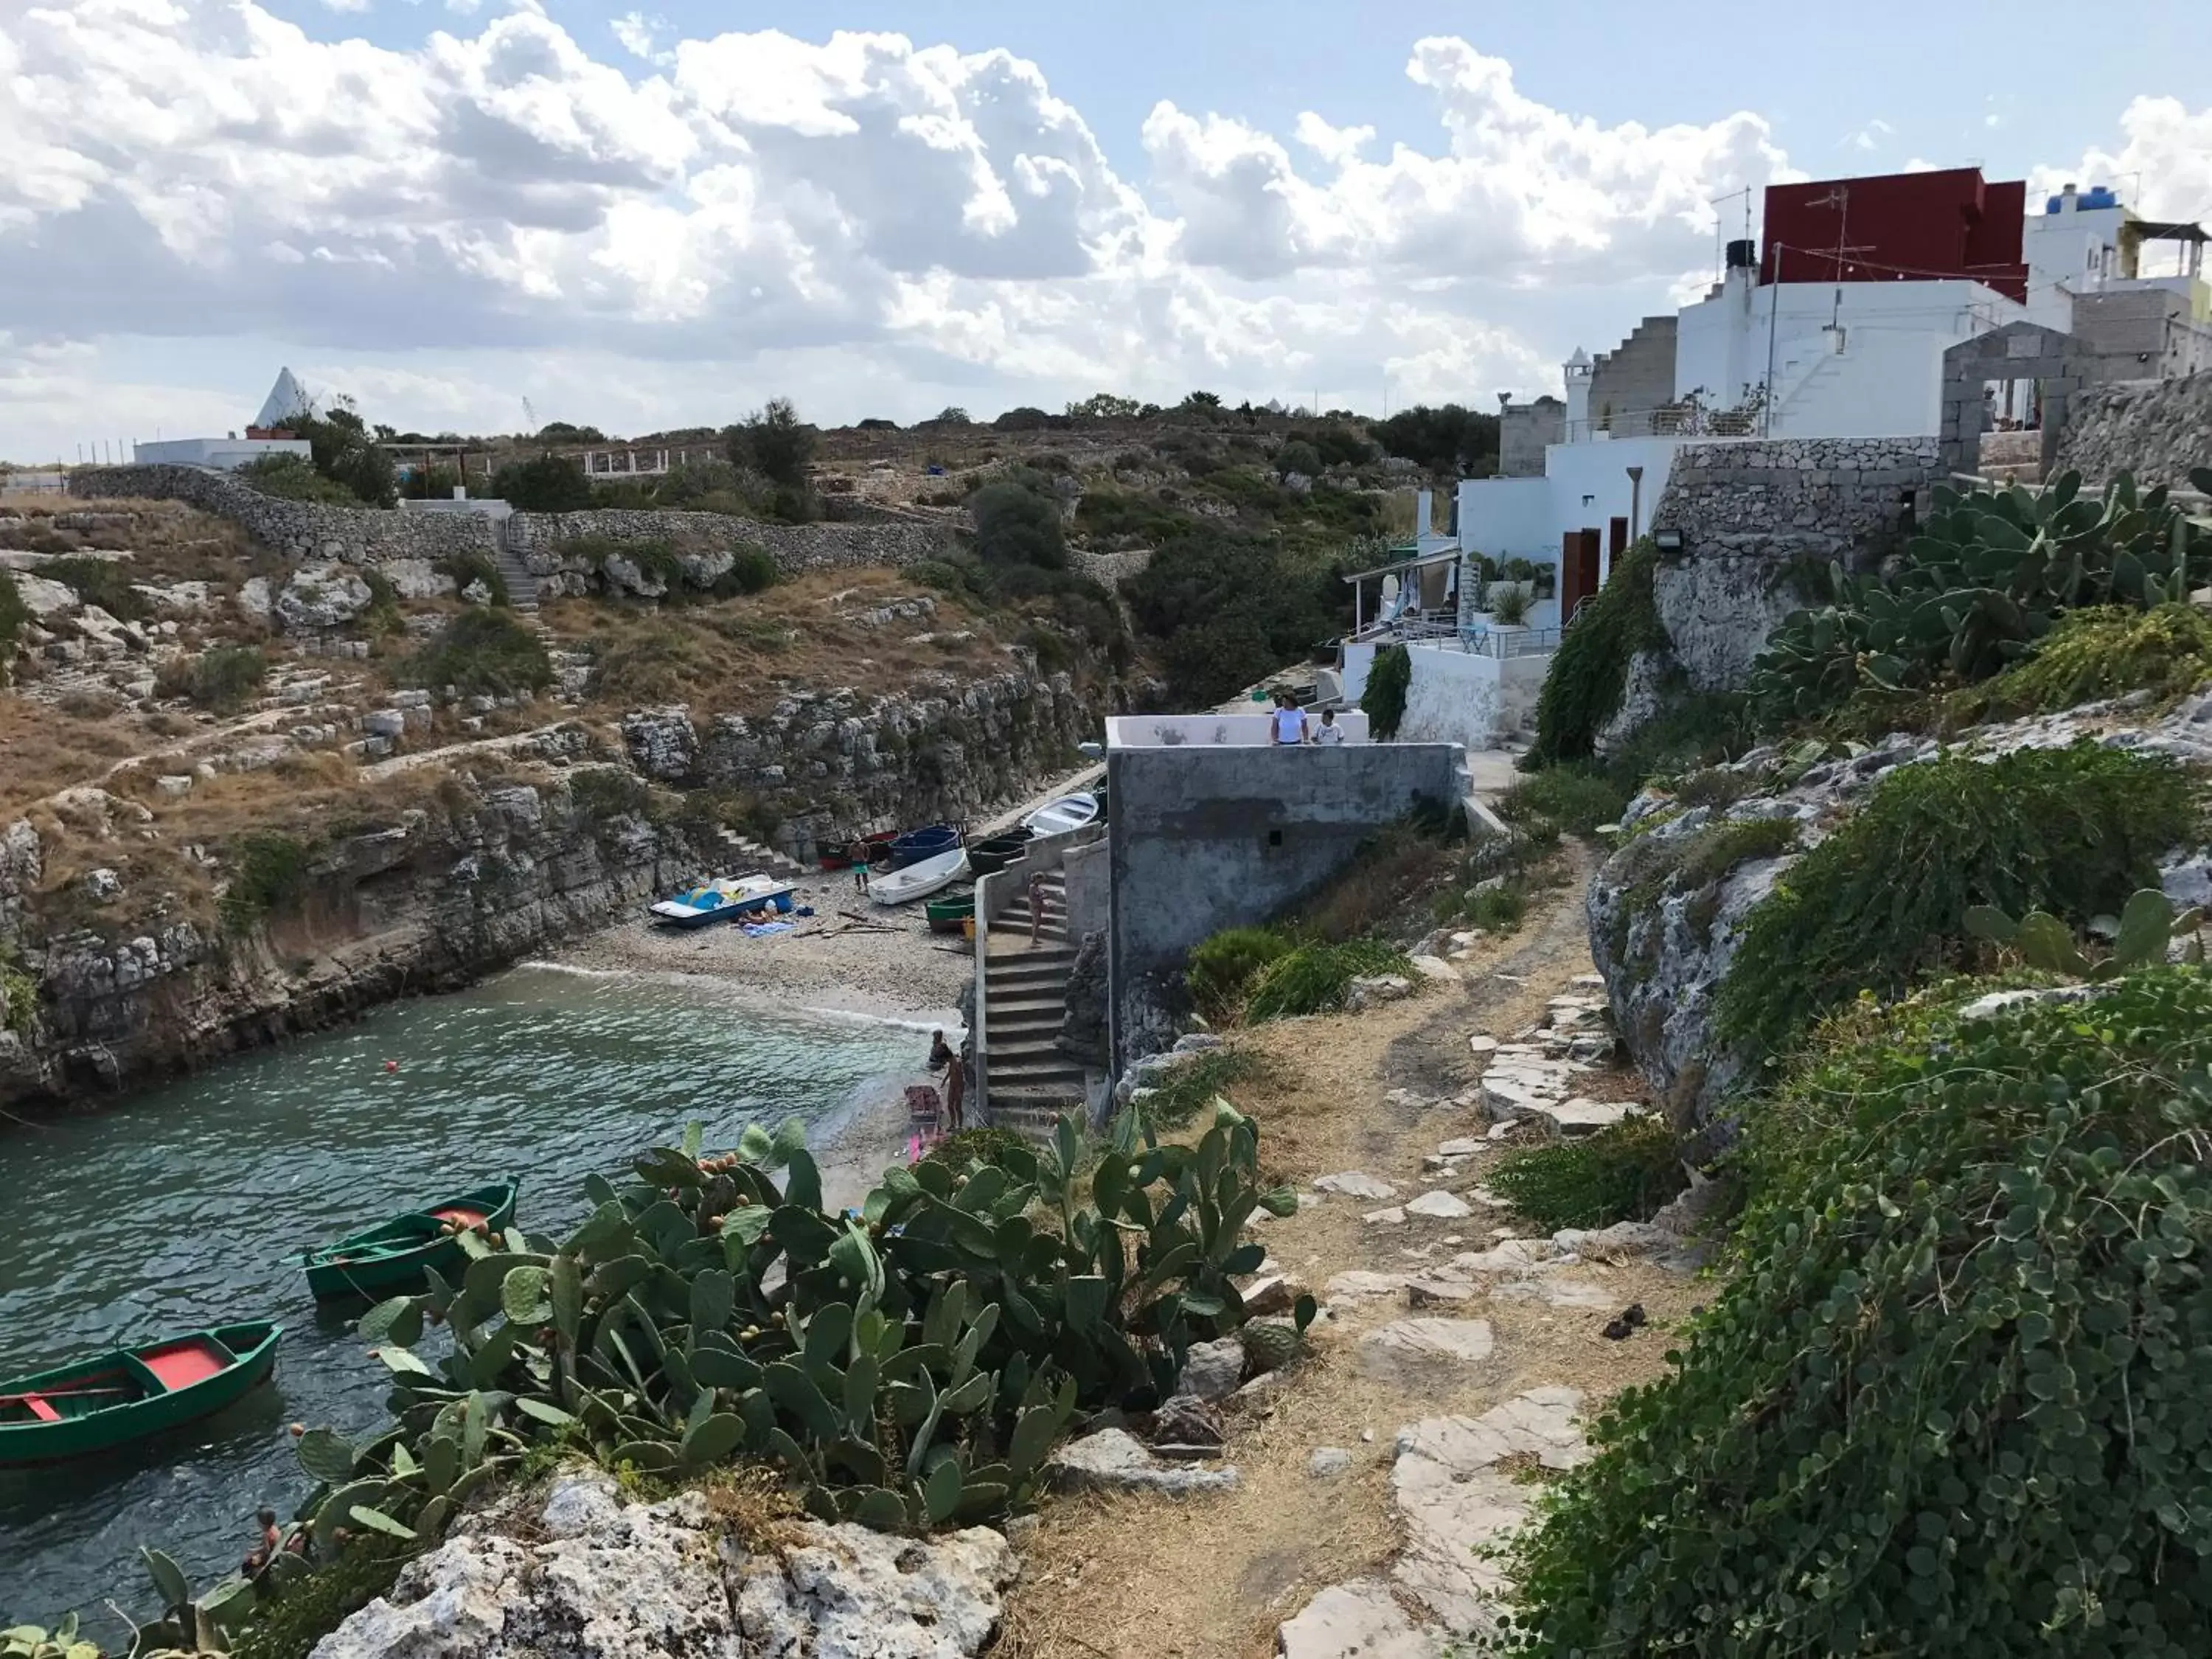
(181, 1206)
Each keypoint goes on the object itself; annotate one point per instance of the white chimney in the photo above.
(1422, 508)
(460, 492)
(2068, 199)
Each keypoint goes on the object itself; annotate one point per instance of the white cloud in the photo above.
(667, 229)
(2162, 169)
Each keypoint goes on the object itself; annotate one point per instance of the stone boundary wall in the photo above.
(2156, 430)
(1754, 514)
(1793, 496)
(299, 530)
(797, 548)
(309, 530)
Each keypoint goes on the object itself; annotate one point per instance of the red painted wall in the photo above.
(1898, 227)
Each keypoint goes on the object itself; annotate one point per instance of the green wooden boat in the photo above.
(131, 1393)
(390, 1258)
(946, 914)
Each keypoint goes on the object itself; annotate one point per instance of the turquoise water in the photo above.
(176, 1208)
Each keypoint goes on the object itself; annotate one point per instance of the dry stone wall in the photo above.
(299, 530)
(543, 539)
(2156, 430)
(1755, 515)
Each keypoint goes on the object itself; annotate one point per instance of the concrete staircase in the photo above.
(1030, 1082)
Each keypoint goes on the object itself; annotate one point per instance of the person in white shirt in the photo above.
(1289, 721)
(1328, 733)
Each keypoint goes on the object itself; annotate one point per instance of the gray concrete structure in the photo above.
(2060, 365)
(1202, 839)
(2140, 334)
(1524, 430)
(1634, 378)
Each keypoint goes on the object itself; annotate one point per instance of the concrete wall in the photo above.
(1206, 731)
(1205, 839)
(1474, 701)
(2140, 334)
(1087, 870)
(2157, 432)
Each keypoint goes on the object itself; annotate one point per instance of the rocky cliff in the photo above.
(1667, 911)
(425, 900)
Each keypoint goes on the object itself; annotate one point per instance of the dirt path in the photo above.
(1131, 1578)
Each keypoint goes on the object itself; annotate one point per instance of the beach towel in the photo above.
(761, 929)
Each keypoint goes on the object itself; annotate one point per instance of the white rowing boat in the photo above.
(1068, 812)
(921, 879)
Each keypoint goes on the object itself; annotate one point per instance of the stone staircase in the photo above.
(521, 585)
(750, 858)
(1029, 1081)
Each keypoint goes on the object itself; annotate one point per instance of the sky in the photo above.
(468, 214)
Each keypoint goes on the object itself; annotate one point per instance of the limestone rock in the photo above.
(1212, 1370)
(623, 575)
(1113, 1460)
(1413, 1353)
(1438, 1206)
(1463, 1148)
(1434, 968)
(1372, 990)
(1352, 1286)
(1356, 1183)
(598, 1576)
(1452, 1498)
(1358, 1621)
(1327, 1462)
(320, 596)
(253, 597)
(1395, 1216)
(478, 592)
(1481, 1044)
(44, 597)
(417, 578)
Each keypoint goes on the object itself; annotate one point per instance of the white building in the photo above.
(267, 436)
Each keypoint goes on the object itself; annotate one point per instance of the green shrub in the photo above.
(1188, 1089)
(19, 996)
(1573, 798)
(222, 679)
(1383, 698)
(1883, 900)
(1221, 968)
(294, 477)
(1499, 909)
(752, 569)
(983, 1145)
(2105, 651)
(603, 794)
(1582, 687)
(104, 582)
(310, 1609)
(481, 653)
(544, 483)
(269, 874)
(1017, 522)
(1312, 979)
(1948, 1401)
(14, 614)
(1623, 1173)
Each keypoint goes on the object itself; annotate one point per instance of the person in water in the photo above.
(942, 1057)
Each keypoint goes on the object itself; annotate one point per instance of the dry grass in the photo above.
(43, 749)
(1220, 1574)
(733, 654)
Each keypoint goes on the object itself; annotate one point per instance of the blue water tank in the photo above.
(2097, 196)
